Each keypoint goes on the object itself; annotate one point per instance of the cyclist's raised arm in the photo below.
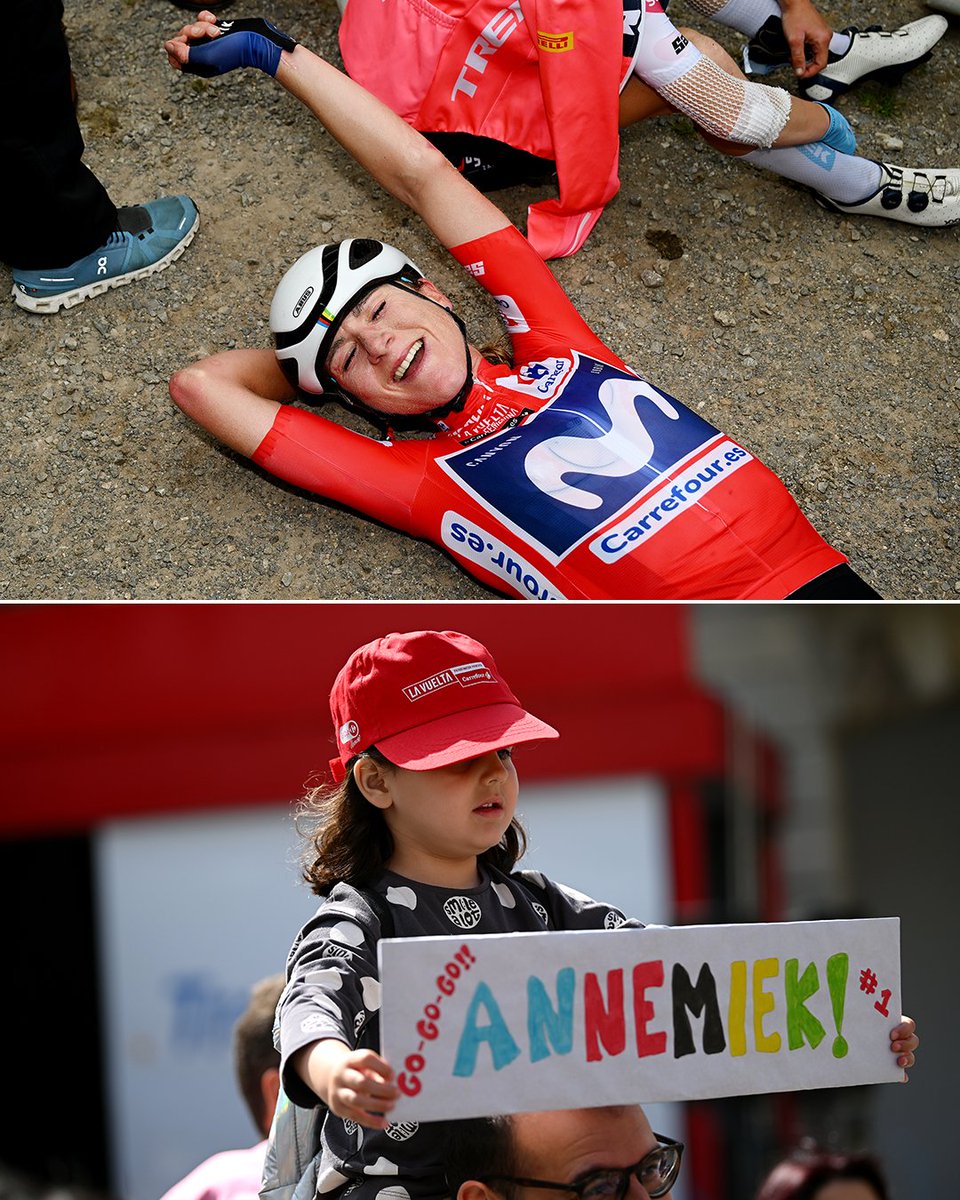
(394, 154)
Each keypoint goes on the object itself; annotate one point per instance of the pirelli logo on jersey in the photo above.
(555, 43)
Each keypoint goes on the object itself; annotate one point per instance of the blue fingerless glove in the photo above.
(245, 43)
(839, 135)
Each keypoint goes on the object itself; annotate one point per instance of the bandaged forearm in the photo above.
(737, 110)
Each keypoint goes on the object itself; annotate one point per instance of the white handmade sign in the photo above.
(526, 1021)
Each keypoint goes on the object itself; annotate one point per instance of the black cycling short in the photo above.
(489, 164)
(839, 583)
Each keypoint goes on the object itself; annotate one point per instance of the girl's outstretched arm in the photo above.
(393, 153)
(357, 1085)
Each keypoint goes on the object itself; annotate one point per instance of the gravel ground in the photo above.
(829, 346)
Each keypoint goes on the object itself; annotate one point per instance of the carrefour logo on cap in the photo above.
(350, 732)
(466, 675)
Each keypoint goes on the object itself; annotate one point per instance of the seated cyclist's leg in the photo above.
(846, 178)
(726, 105)
(873, 53)
(836, 135)
(746, 16)
(850, 183)
(749, 17)
(716, 53)
(842, 180)
(638, 101)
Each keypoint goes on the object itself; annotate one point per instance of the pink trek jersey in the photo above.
(566, 475)
(515, 71)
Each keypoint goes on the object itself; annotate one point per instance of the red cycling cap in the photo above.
(426, 699)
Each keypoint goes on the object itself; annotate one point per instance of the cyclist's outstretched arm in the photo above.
(393, 153)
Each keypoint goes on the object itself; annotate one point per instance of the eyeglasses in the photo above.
(656, 1171)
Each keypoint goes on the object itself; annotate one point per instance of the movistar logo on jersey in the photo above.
(587, 456)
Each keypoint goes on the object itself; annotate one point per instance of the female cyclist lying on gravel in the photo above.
(563, 474)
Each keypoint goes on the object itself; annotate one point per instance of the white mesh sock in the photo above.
(724, 105)
(846, 178)
(735, 109)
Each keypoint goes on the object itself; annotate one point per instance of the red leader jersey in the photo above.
(566, 475)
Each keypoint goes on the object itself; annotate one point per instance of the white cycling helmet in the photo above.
(317, 292)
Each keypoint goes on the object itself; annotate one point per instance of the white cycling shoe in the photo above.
(908, 194)
(876, 54)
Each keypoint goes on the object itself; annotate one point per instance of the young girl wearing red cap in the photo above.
(420, 835)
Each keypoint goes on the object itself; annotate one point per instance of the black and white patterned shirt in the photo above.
(333, 991)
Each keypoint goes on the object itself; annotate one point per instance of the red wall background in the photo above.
(126, 709)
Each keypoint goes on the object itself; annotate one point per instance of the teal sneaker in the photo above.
(149, 237)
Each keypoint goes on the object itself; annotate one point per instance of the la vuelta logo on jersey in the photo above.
(603, 439)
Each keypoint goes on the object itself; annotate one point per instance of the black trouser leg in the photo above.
(53, 210)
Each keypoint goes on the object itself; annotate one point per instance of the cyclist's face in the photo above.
(397, 353)
(565, 1146)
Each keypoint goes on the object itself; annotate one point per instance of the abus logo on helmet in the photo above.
(298, 307)
(350, 732)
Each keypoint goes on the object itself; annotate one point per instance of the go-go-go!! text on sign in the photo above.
(519, 1022)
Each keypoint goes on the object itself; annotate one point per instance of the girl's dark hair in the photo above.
(802, 1175)
(348, 839)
